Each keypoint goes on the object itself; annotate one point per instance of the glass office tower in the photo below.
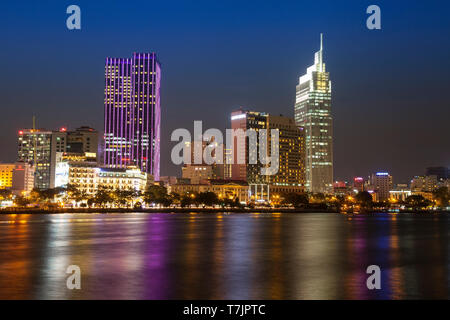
(133, 113)
(313, 112)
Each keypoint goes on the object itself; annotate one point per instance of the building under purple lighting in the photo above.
(133, 112)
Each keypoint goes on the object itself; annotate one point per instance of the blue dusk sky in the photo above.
(390, 99)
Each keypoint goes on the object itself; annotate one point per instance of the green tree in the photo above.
(120, 197)
(319, 197)
(103, 196)
(442, 196)
(417, 201)
(236, 203)
(90, 201)
(22, 201)
(157, 194)
(46, 195)
(176, 198)
(186, 201)
(364, 199)
(207, 198)
(295, 199)
(74, 193)
(5, 194)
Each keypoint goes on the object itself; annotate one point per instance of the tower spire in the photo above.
(321, 41)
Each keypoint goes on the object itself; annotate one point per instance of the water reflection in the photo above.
(224, 256)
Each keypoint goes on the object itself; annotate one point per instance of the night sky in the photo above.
(391, 87)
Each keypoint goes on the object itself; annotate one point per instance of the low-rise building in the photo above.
(341, 188)
(6, 173)
(229, 189)
(197, 169)
(197, 173)
(275, 191)
(23, 178)
(87, 177)
(358, 184)
(84, 176)
(18, 177)
(131, 178)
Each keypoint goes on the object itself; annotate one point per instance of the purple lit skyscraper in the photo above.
(133, 112)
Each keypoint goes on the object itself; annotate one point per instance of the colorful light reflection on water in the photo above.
(224, 256)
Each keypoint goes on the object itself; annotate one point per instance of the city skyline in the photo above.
(224, 154)
(376, 127)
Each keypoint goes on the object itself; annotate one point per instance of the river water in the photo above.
(224, 256)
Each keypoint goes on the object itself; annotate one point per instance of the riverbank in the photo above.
(156, 210)
(189, 210)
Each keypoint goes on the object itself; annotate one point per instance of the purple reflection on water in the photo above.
(220, 256)
(157, 244)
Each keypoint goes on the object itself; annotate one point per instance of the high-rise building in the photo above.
(241, 168)
(227, 166)
(34, 146)
(290, 176)
(381, 183)
(313, 112)
(82, 140)
(291, 164)
(133, 113)
(427, 183)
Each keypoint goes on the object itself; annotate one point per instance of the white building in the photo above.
(87, 177)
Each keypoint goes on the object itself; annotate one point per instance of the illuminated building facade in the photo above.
(424, 183)
(198, 172)
(22, 178)
(381, 184)
(340, 188)
(227, 166)
(6, 175)
(291, 147)
(290, 176)
(400, 193)
(133, 113)
(44, 148)
(82, 140)
(313, 112)
(241, 169)
(18, 177)
(291, 166)
(228, 189)
(87, 177)
(358, 184)
(34, 146)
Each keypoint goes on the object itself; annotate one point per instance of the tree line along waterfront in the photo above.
(157, 196)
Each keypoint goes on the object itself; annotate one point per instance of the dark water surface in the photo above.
(224, 256)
